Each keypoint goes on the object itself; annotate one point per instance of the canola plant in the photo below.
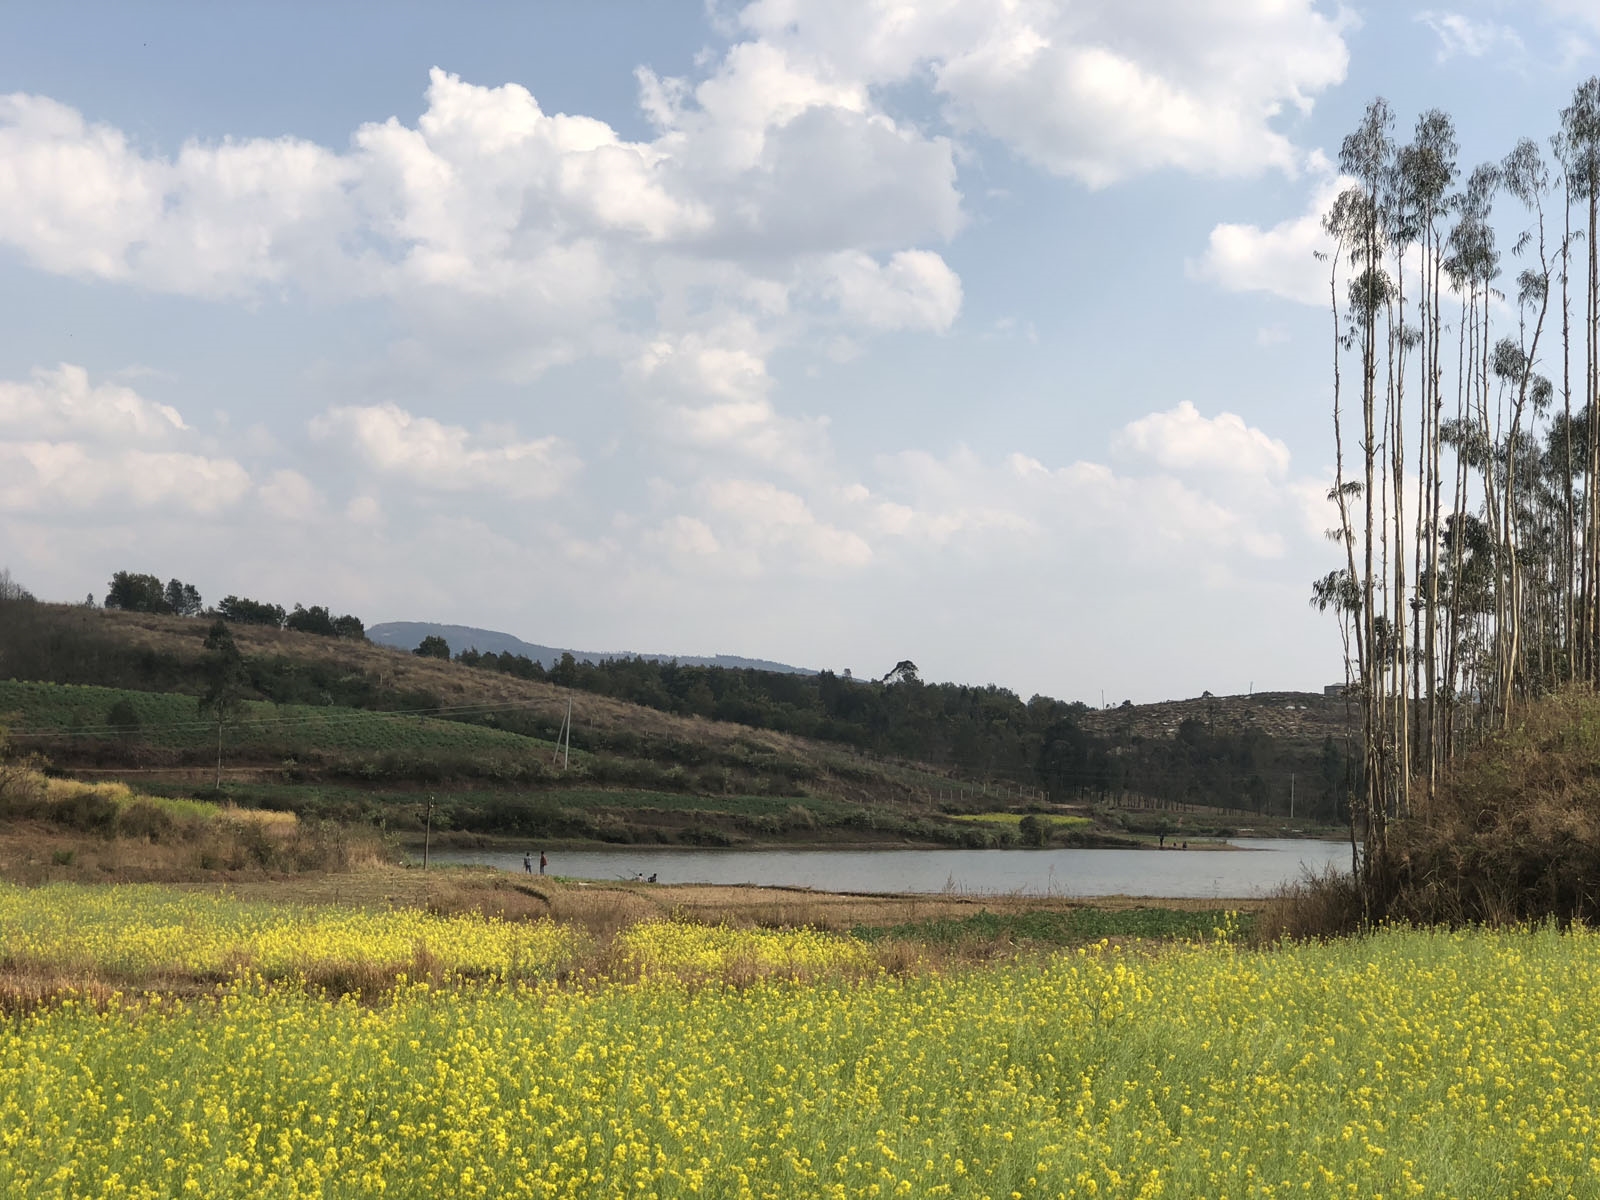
(1406, 1063)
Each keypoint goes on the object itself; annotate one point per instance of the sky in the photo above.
(982, 333)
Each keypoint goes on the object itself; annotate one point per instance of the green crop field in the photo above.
(329, 796)
(1064, 928)
(174, 722)
(682, 802)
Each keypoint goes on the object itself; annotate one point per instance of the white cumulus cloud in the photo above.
(1180, 439)
(915, 289)
(62, 402)
(63, 477)
(447, 458)
(773, 527)
(1093, 89)
(1281, 260)
(71, 445)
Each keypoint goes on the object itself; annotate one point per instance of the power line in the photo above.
(311, 718)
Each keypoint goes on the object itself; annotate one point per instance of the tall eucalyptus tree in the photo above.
(1427, 170)
(1502, 596)
(1580, 142)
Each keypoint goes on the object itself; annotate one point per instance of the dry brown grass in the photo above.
(1512, 834)
(1322, 907)
(223, 851)
(604, 908)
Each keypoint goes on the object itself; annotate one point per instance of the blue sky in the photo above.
(981, 333)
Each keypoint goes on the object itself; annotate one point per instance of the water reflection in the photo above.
(1256, 866)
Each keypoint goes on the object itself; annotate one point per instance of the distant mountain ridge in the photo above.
(407, 635)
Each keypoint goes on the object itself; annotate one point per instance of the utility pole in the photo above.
(1291, 795)
(564, 738)
(427, 833)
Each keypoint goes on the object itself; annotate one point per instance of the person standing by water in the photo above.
(527, 863)
(543, 862)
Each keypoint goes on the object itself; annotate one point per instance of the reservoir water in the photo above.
(1253, 867)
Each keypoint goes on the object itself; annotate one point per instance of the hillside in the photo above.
(407, 635)
(1292, 716)
(658, 751)
(350, 728)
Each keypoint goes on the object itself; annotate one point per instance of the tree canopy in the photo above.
(134, 592)
(432, 646)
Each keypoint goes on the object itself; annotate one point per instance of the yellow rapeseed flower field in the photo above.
(1403, 1064)
(143, 931)
(687, 951)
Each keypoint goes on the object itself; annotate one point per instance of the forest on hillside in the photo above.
(983, 732)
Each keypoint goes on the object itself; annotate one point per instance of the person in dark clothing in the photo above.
(543, 862)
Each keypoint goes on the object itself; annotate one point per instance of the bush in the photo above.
(241, 611)
(87, 809)
(144, 819)
(1033, 831)
(433, 646)
(1512, 834)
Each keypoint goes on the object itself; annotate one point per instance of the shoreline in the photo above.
(457, 840)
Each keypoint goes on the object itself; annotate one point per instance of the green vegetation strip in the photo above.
(173, 721)
(1065, 928)
(1014, 819)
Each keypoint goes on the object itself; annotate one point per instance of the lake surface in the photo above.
(1254, 867)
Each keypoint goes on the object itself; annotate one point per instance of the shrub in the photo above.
(1033, 830)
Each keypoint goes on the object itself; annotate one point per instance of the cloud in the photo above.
(915, 289)
(709, 389)
(1280, 261)
(487, 195)
(935, 501)
(364, 510)
(1193, 501)
(768, 527)
(78, 198)
(1462, 36)
(686, 537)
(290, 496)
(448, 458)
(69, 445)
(62, 403)
(727, 363)
(1183, 440)
(56, 478)
(778, 181)
(1191, 494)
(1097, 90)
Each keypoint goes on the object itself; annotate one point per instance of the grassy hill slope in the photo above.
(361, 731)
(354, 729)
